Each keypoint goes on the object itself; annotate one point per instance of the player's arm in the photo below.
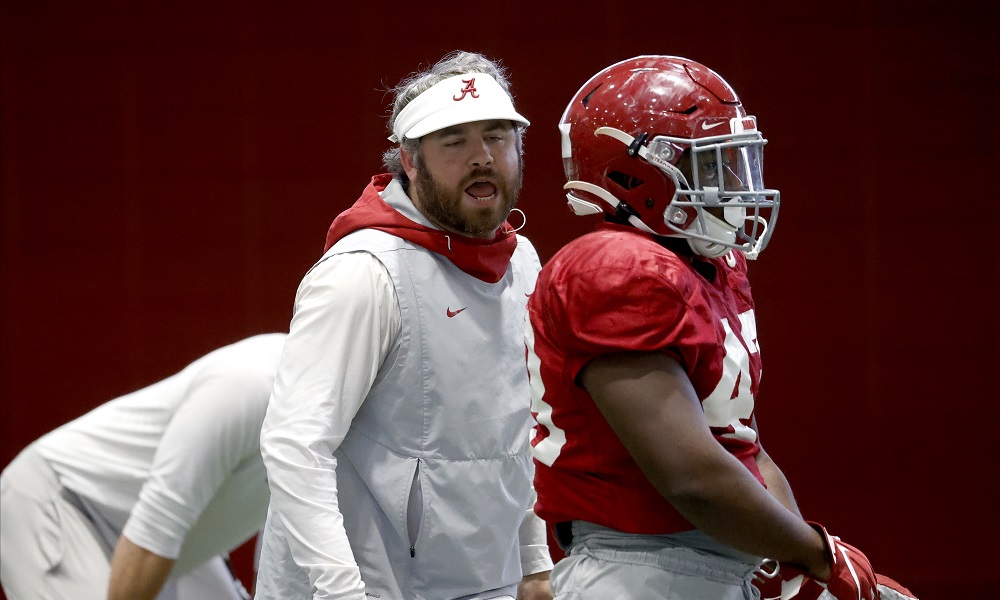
(136, 573)
(776, 482)
(650, 403)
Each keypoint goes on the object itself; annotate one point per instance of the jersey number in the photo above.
(545, 447)
(729, 404)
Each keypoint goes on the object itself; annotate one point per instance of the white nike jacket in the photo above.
(433, 474)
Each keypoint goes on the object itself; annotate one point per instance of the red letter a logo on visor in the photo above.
(470, 88)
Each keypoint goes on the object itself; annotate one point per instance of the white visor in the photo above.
(459, 99)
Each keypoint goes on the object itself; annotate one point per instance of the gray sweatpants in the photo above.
(603, 563)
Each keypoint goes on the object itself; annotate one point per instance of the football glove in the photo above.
(851, 575)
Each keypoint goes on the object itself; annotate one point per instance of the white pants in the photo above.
(50, 550)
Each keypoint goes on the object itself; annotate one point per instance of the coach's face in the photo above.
(466, 178)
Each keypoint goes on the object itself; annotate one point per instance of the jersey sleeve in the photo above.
(616, 309)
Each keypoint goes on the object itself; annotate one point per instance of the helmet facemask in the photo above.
(720, 201)
(665, 144)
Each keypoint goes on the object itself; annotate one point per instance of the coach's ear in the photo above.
(409, 161)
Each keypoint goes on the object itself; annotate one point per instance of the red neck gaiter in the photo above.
(486, 260)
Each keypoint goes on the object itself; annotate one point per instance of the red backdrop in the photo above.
(169, 171)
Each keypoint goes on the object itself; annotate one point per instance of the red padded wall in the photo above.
(169, 171)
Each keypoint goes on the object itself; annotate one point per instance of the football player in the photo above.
(645, 362)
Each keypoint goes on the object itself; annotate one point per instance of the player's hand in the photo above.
(851, 575)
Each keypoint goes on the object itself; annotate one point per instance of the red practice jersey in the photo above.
(616, 290)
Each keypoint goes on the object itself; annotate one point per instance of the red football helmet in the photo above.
(664, 143)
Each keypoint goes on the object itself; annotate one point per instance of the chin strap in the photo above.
(753, 252)
(583, 207)
(637, 146)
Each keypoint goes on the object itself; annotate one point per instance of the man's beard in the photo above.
(444, 207)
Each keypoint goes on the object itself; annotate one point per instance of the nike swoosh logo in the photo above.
(712, 125)
(452, 313)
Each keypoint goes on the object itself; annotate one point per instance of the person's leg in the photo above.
(48, 549)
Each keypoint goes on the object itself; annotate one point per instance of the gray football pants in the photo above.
(603, 563)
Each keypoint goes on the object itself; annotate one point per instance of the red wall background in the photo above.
(169, 171)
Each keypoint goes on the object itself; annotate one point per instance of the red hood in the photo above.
(486, 260)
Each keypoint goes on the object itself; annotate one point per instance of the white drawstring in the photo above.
(755, 250)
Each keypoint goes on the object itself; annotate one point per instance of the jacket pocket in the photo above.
(414, 509)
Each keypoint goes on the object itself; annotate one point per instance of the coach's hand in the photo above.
(535, 587)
